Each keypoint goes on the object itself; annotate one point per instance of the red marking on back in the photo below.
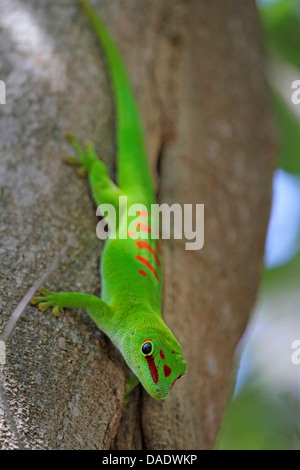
(131, 233)
(167, 371)
(143, 227)
(161, 353)
(157, 247)
(146, 246)
(152, 368)
(143, 273)
(143, 214)
(147, 263)
(175, 381)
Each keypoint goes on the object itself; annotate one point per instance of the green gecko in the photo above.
(129, 312)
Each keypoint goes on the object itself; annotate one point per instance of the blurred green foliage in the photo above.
(258, 420)
(289, 137)
(258, 417)
(281, 28)
(281, 23)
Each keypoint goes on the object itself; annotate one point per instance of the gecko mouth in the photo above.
(175, 381)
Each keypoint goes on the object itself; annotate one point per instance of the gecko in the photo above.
(129, 310)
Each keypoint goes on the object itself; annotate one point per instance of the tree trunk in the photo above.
(197, 68)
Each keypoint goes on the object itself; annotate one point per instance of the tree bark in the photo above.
(198, 72)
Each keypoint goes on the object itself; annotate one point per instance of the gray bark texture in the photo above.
(198, 72)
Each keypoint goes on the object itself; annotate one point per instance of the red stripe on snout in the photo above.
(167, 371)
(152, 368)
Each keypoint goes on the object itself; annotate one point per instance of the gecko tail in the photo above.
(133, 172)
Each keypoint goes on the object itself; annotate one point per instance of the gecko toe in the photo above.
(72, 160)
(44, 291)
(43, 306)
(57, 310)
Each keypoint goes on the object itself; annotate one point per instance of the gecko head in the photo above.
(155, 357)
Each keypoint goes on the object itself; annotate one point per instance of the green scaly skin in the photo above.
(129, 312)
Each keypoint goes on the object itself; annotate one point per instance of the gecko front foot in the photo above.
(86, 157)
(49, 299)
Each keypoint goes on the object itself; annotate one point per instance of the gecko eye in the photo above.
(147, 348)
